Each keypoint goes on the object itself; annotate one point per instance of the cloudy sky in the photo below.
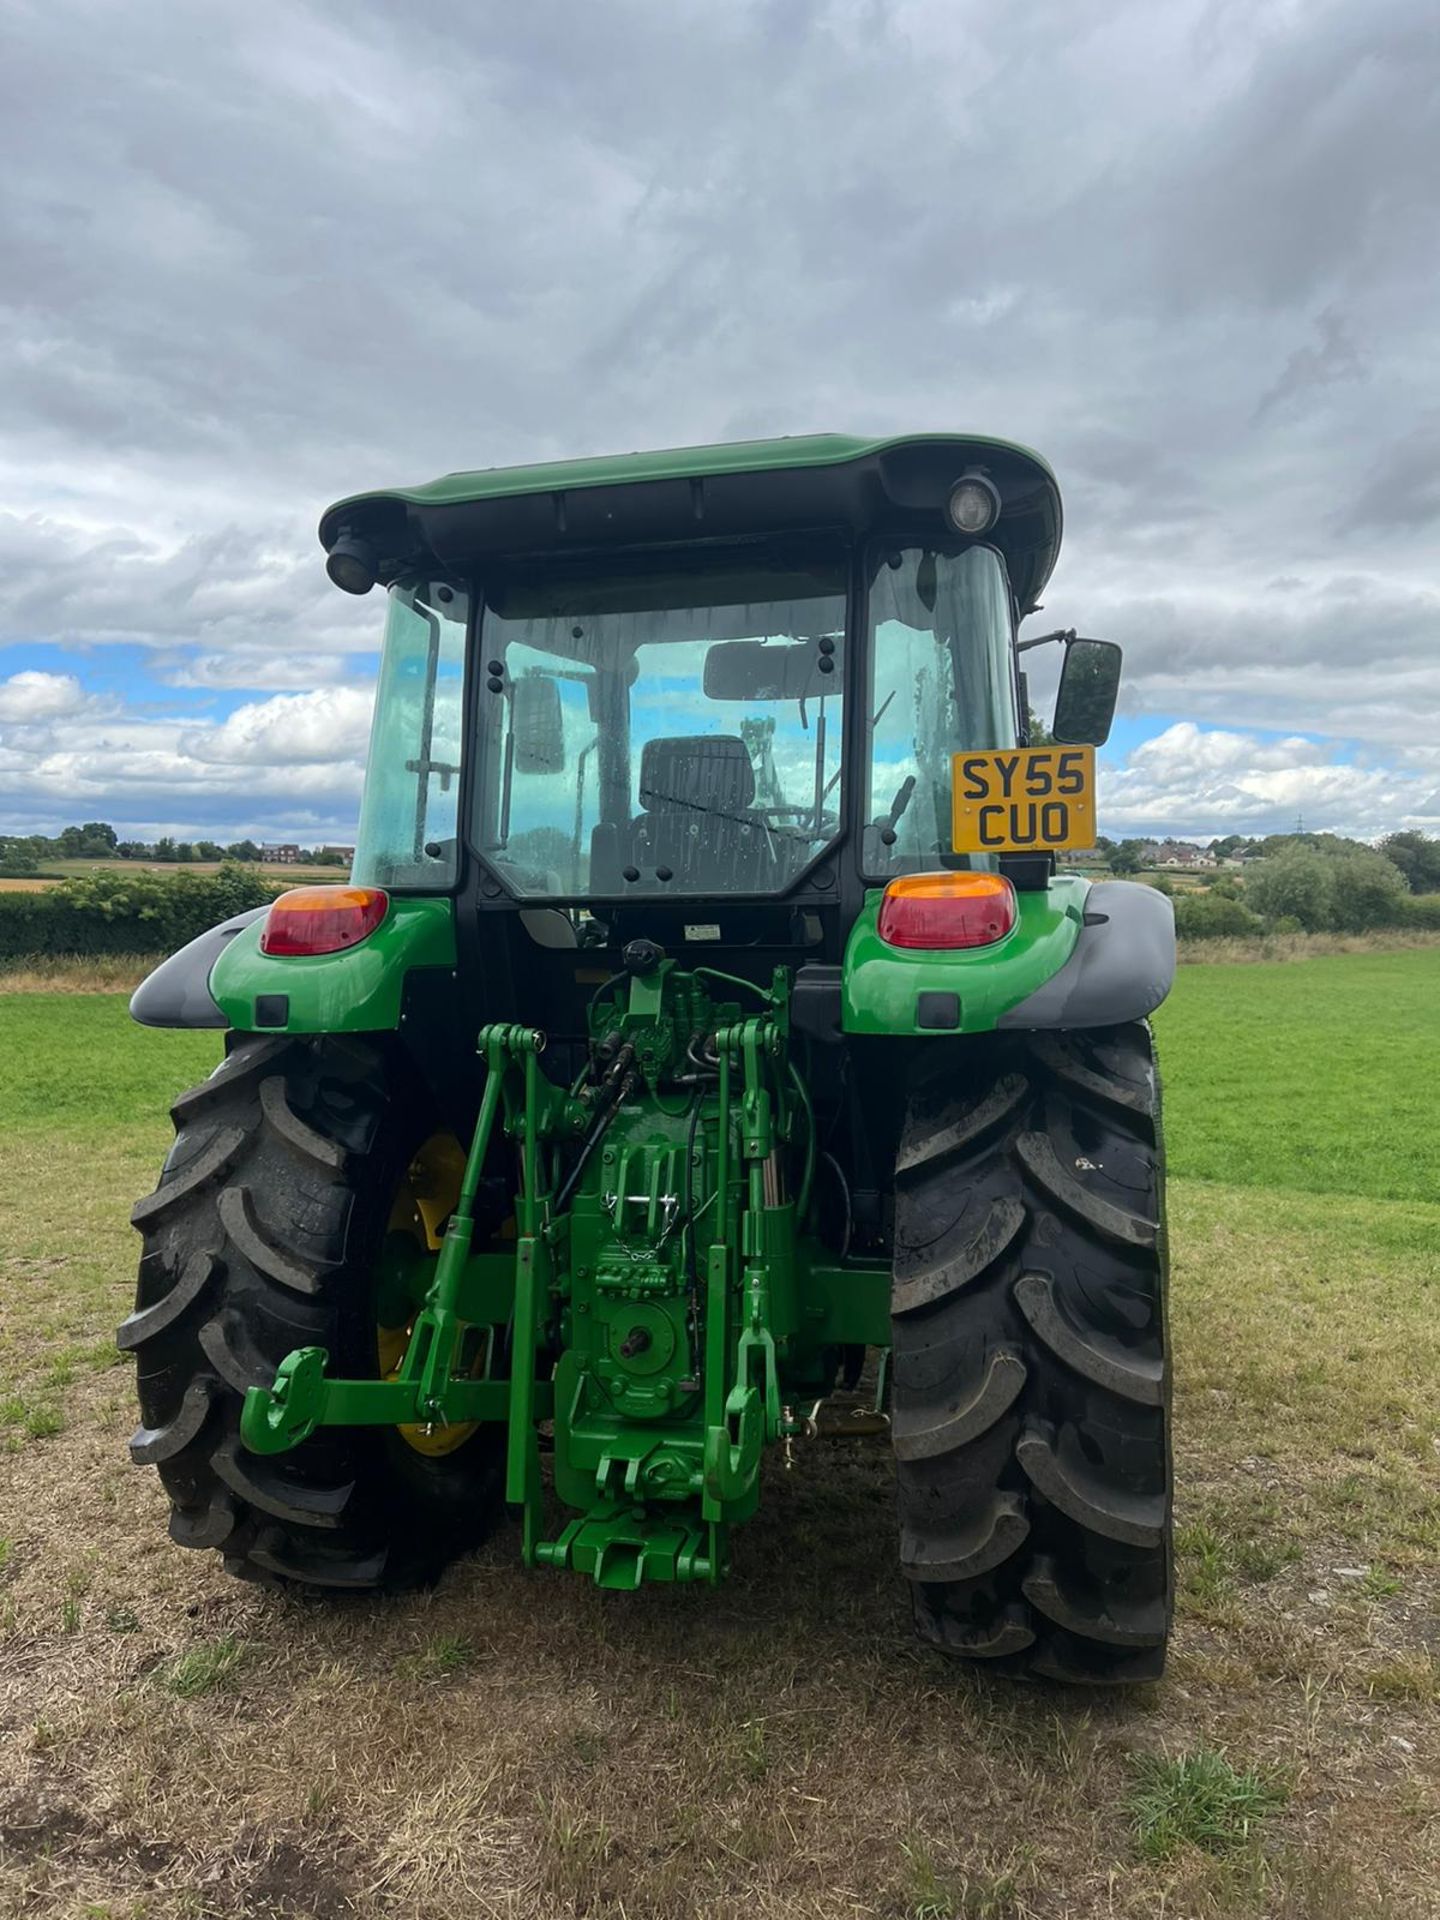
(256, 257)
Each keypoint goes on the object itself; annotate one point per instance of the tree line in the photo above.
(24, 854)
(1318, 883)
(1414, 856)
(1290, 882)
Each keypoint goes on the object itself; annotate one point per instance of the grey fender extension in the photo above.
(1122, 967)
(177, 993)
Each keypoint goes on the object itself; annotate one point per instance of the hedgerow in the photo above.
(120, 912)
(1212, 916)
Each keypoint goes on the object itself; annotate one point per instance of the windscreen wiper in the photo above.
(723, 813)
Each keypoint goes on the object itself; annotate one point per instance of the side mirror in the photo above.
(537, 724)
(1089, 685)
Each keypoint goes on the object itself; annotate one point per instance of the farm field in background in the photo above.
(518, 1744)
(54, 871)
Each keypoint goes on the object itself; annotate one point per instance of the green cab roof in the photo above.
(739, 489)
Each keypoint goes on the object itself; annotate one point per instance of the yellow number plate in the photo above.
(1024, 800)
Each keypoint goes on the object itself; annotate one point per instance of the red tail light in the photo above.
(323, 919)
(947, 910)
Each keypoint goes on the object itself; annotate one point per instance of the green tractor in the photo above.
(706, 1053)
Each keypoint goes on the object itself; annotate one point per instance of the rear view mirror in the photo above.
(1089, 685)
(790, 670)
(537, 725)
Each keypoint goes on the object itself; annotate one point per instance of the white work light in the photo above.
(973, 506)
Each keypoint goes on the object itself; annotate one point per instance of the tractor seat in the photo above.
(698, 795)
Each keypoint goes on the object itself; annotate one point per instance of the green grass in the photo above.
(203, 1668)
(1198, 1800)
(442, 1654)
(83, 1115)
(70, 1058)
(1318, 1076)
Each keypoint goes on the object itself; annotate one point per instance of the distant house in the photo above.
(1183, 854)
(344, 854)
(287, 854)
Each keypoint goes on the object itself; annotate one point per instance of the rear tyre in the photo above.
(265, 1234)
(1031, 1381)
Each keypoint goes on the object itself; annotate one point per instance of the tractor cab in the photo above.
(641, 699)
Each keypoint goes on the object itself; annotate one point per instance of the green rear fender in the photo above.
(358, 990)
(895, 990)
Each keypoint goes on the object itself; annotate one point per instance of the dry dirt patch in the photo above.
(520, 1744)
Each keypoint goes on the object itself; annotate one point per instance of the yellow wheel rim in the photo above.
(424, 1201)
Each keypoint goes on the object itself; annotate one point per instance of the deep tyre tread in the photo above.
(1004, 1377)
(207, 1526)
(150, 1445)
(1030, 1381)
(260, 1238)
(1142, 1626)
(243, 1064)
(923, 1285)
(1104, 1362)
(241, 1222)
(202, 1171)
(195, 1277)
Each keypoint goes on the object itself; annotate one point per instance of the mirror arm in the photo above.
(1067, 634)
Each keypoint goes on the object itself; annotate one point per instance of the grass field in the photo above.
(174, 1744)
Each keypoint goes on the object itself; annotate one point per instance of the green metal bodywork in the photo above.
(881, 984)
(671, 463)
(358, 990)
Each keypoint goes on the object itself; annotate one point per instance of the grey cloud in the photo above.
(313, 248)
(1357, 659)
(629, 212)
(1336, 357)
(1315, 169)
(1345, 623)
(1403, 489)
(251, 592)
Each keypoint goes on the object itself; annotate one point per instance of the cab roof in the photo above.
(688, 495)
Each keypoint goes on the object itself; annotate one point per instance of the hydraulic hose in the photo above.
(839, 1173)
(734, 980)
(618, 1083)
(807, 1175)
